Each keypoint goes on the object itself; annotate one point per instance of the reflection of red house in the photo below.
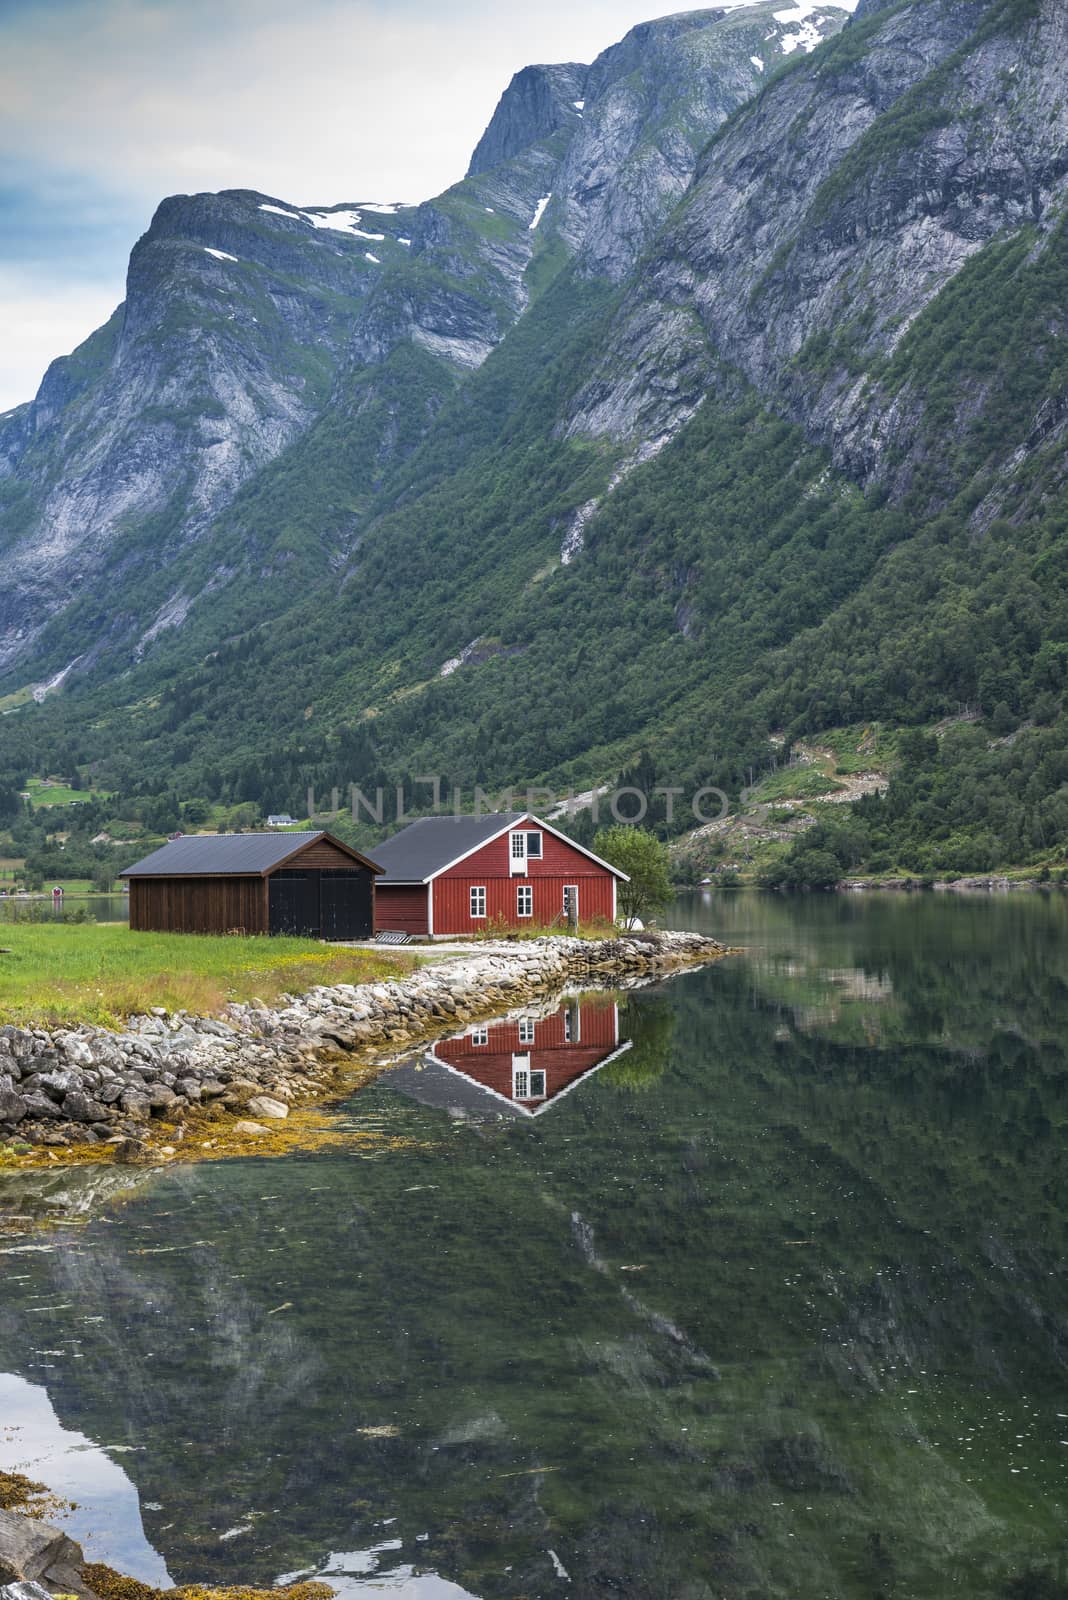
(458, 875)
(528, 1063)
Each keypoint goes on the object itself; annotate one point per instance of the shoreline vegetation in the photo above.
(174, 1085)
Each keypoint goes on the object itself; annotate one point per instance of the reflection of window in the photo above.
(480, 1036)
(478, 901)
(526, 1085)
(524, 900)
(521, 1077)
(534, 846)
(567, 1027)
(526, 1031)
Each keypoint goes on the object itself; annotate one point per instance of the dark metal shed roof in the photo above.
(231, 855)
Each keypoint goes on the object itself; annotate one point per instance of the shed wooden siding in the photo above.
(198, 905)
(401, 908)
(322, 855)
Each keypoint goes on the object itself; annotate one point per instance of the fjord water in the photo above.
(772, 1303)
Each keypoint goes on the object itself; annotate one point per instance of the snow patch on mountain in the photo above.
(220, 255)
(539, 211)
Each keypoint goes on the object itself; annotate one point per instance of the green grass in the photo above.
(794, 783)
(57, 973)
(46, 792)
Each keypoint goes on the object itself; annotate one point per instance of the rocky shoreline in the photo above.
(40, 1562)
(93, 1092)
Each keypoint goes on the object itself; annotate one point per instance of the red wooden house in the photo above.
(456, 875)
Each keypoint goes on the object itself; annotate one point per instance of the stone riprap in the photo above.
(91, 1085)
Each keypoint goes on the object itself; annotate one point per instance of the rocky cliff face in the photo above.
(248, 319)
(824, 269)
(833, 210)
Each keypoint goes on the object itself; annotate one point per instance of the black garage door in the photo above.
(321, 905)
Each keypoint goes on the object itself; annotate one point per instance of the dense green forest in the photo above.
(734, 595)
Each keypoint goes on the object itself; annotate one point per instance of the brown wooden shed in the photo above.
(307, 884)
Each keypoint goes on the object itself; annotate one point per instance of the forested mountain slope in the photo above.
(773, 440)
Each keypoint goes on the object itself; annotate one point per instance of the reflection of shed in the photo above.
(295, 883)
(517, 1067)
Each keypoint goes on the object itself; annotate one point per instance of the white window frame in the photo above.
(479, 1036)
(524, 893)
(538, 1083)
(476, 897)
(521, 1077)
(526, 1030)
(539, 853)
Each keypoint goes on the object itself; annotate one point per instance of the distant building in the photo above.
(283, 820)
(457, 875)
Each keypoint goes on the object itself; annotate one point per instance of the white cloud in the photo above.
(39, 321)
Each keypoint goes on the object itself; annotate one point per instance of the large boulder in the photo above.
(12, 1104)
(32, 1550)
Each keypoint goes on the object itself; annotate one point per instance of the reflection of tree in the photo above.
(866, 1242)
(651, 1028)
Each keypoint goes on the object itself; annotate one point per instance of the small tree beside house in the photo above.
(645, 860)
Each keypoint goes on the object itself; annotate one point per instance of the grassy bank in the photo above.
(56, 974)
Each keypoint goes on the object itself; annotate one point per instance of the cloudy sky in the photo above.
(108, 105)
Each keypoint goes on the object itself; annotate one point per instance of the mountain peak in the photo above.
(538, 101)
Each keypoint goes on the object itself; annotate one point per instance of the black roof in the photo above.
(424, 847)
(230, 855)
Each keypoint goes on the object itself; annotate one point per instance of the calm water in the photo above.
(100, 907)
(752, 1284)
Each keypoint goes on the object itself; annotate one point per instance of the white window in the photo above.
(524, 900)
(478, 901)
(568, 1030)
(519, 847)
(526, 1030)
(480, 1036)
(571, 900)
(534, 846)
(537, 1085)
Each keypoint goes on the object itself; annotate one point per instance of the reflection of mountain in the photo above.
(780, 1319)
(516, 1067)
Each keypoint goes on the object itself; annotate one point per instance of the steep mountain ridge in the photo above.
(249, 321)
(805, 460)
(829, 214)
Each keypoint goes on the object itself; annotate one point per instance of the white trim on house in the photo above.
(517, 1105)
(517, 827)
(430, 907)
